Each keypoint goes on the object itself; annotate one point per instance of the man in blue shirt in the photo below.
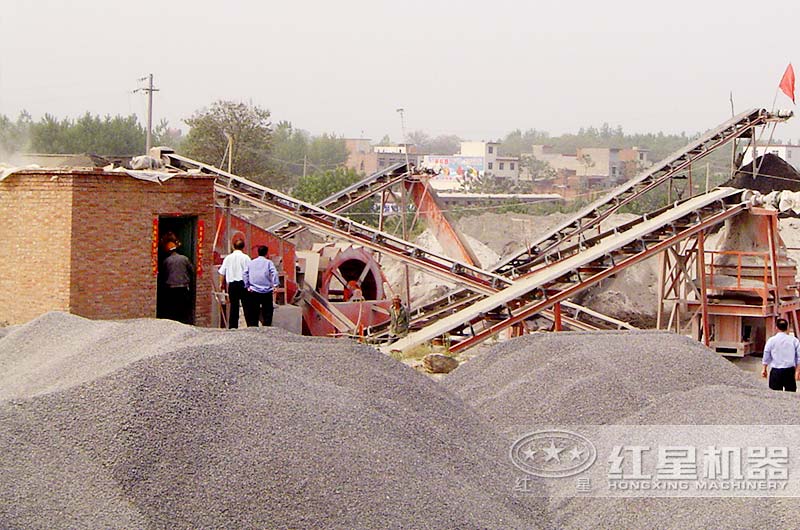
(260, 279)
(782, 355)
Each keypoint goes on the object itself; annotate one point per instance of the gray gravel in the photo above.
(585, 377)
(646, 377)
(152, 424)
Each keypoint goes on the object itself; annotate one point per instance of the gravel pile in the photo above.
(586, 378)
(647, 377)
(152, 424)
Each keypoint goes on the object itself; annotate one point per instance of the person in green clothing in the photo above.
(398, 325)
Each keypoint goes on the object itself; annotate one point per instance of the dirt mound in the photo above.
(773, 174)
(250, 428)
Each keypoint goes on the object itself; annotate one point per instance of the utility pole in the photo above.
(149, 89)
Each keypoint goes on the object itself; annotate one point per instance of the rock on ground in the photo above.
(611, 378)
(236, 429)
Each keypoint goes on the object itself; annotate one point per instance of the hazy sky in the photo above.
(476, 69)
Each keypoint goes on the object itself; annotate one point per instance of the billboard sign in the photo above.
(452, 169)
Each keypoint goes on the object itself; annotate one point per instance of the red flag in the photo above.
(787, 82)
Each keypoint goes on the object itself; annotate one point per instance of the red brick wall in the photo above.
(35, 234)
(98, 228)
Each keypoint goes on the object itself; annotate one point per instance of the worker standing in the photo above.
(260, 279)
(232, 272)
(178, 280)
(398, 324)
(782, 355)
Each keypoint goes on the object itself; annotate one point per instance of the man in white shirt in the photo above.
(782, 355)
(231, 271)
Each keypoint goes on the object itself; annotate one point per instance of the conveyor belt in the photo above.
(350, 196)
(543, 288)
(740, 126)
(561, 241)
(318, 219)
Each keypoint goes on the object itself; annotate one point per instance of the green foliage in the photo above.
(491, 184)
(319, 185)
(444, 144)
(660, 145)
(295, 151)
(516, 143)
(315, 187)
(247, 125)
(117, 135)
(535, 168)
(327, 151)
(14, 135)
(107, 135)
(163, 135)
(289, 147)
(393, 224)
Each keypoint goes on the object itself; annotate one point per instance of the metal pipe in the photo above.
(701, 270)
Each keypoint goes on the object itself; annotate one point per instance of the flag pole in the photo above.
(775, 99)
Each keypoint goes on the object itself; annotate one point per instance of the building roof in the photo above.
(158, 176)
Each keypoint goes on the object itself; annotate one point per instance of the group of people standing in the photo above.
(251, 284)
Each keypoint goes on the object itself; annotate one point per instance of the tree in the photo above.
(247, 125)
(445, 144)
(327, 151)
(14, 136)
(289, 148)
(117, 135)
(535, 168)
(420, 139)
(516, 143)
(319, 185)
(163, 135)
(294, 150)
(472, 183)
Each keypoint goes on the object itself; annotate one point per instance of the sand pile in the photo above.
(181, 427)
(425, 287)
(626, 378)
(507, 234)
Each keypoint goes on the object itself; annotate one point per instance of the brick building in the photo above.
(367, 159)
(475, 159)
(588, 170)
(86, 241)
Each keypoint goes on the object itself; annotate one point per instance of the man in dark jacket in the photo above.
(178, 274)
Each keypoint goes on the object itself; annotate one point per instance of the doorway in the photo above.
(181, 230)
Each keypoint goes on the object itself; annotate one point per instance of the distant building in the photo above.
(589, 168)
(788, 152)
(475, 159)
(366, 158)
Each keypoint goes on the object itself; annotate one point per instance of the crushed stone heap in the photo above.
(773, 174)
(638, 378)
(153, 424)
(586, 377)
